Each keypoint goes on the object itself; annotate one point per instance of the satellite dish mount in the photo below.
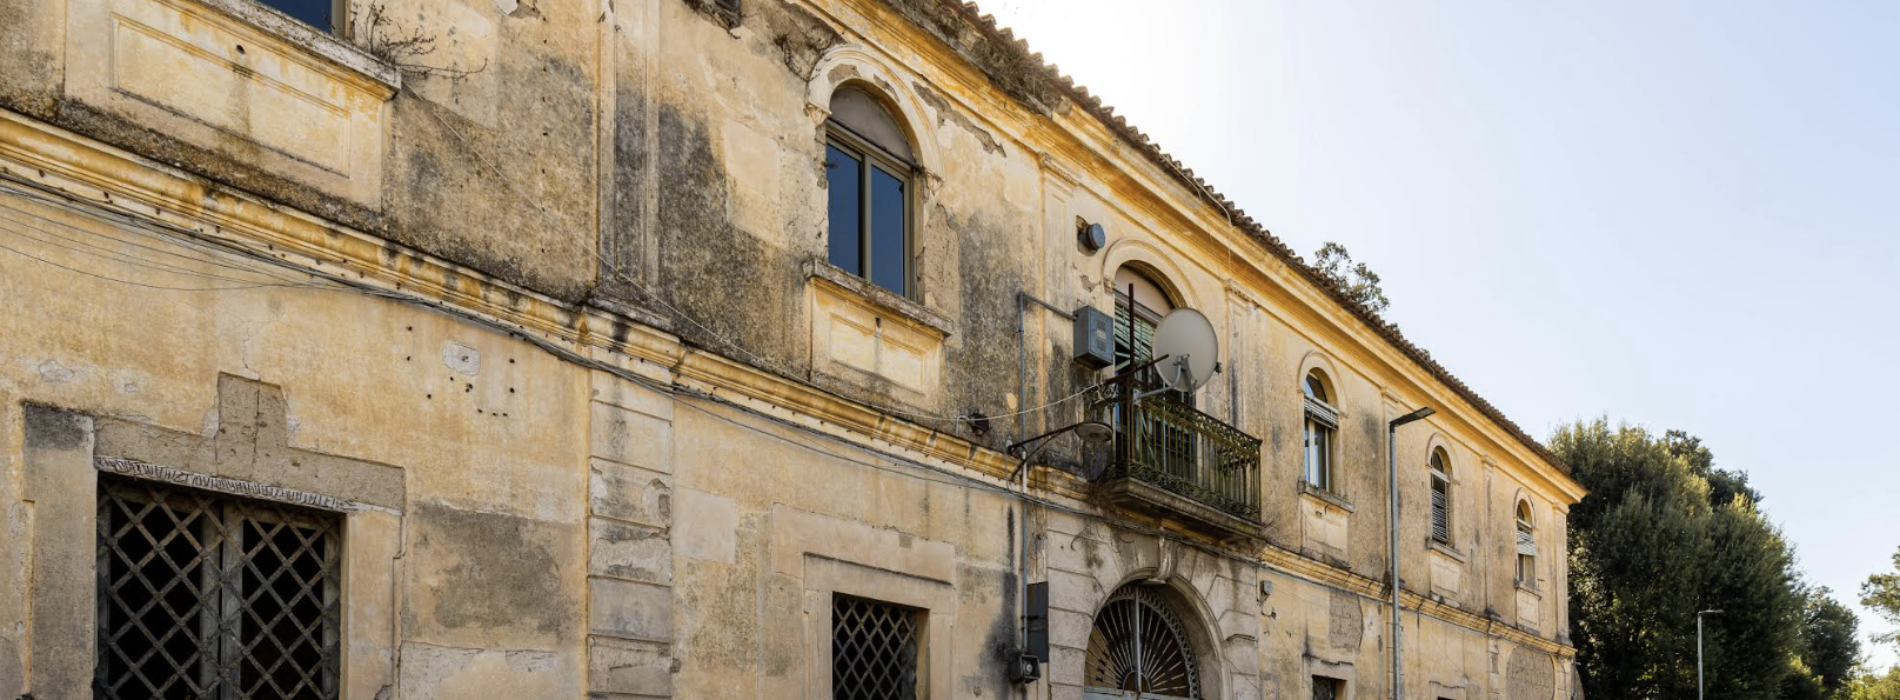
(1186, 350)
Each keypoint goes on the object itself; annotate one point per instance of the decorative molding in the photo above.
(879, 298)
(235, 487)
(98, 176)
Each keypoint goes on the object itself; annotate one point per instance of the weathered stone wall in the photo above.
(598, 418)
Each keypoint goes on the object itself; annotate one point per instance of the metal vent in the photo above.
(203, 595)
(873, 650)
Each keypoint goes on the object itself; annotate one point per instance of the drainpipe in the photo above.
(1392, 524)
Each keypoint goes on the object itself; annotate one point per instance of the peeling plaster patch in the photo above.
(487, 572)
(52, 372)
(842, 73)
(209, 427)
(1346, 623)
(946, 114)
(507, 6)
(462, 358)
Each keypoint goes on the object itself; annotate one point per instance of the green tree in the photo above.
(1829, 649)
(1650, 546)
(1881, 593)
(1869, 686)
(1724, 486)
(1359, 282)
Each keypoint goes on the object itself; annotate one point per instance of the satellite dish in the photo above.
(1191, 347)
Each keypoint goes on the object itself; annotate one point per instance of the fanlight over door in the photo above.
(1139, 650)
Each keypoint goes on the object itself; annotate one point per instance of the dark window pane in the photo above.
(316, 13)
(842, 173)
(1314, 388)
(887, 232)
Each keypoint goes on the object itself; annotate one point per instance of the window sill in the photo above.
(324, 45)
(1333, 499)
(1446, 549)
(1529, 588)
(879, 298)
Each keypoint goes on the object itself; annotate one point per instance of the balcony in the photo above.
(1173, 460)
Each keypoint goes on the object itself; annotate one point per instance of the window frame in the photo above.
(1314, 429)
(1440, 465)
(870, 155)
(339, 16)
(1525, 516)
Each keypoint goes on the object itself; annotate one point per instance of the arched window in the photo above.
(1526, 546)
(1140, 302)
(1441, 496)
(1322, 420)
(1139, 648)
(868, 167)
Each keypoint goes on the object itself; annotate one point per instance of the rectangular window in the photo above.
(1328, 688)
(324, 15)
(1319, 454)
(1441, 508)
(1526, 555)
(204, 595)
(874, 650)
(869, 204)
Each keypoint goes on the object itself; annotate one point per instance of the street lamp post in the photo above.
(1698, 649)
(1093, 432)
(1392, 522)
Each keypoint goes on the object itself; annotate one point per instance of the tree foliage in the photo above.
(1662, 535)
(1881, 594)
(1870, 686)
(1828, 651)
(1357, 280)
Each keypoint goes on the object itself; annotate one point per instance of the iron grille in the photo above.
(1139, 645)
(873, 650)
(203, 595)
(1327, 688)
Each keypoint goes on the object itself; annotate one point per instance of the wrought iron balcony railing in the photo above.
(1164, 443)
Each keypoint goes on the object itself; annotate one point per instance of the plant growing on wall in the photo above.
(1356, 280)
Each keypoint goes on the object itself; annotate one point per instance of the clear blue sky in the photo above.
(1678, 214)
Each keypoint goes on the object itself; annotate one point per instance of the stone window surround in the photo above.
(1330, 498)
(64, 453)
(879, 298)
(1344, 671)
(330, 47)
(831, 556)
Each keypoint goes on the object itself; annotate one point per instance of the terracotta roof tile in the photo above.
(1106, 114)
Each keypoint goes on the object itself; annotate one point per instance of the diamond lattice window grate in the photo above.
(203, 595)
(873, 650)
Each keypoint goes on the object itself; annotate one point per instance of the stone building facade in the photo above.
(426, 349)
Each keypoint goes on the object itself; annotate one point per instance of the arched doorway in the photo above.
(1139, 649)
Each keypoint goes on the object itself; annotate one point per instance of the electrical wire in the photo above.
(688, 397)
(133, 260)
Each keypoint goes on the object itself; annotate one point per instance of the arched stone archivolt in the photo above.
(1210, 596)
(853, 64)
(1154, 263)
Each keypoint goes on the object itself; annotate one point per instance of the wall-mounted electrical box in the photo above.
(1094, 338)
